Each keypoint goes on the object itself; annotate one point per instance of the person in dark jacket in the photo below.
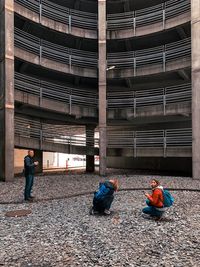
(104, 197)
(29, 171)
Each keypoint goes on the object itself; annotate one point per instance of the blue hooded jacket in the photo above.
(105, 189)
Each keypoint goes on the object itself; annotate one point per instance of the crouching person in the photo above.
(155, 201)
(104, 197)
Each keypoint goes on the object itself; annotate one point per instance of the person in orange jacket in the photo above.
(155, 206)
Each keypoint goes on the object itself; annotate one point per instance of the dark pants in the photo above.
(151, 210)
(28, 186)
(102, 204)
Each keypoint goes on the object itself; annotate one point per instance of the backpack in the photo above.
(168, 199)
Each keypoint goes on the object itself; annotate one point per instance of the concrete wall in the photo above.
(150, 29)
(6, 90)
(35, 144)
(181, 63)
(54, 105)
(54, 25)
(125, 113)
(92, 34)
(195, 25)
(54, 65)
(183, 165)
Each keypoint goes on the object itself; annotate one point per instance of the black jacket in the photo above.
(29, 167)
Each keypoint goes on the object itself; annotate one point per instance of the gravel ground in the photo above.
(58, 186)
(61, 233)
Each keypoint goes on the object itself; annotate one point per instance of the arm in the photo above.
(28, 163)
(154, 198)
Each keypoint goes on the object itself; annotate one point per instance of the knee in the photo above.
(146, 210)
(112, 197)
(148, 202)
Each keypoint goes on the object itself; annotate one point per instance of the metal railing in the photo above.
(67, 16)
(136, 100)
(57, 92)
(160, 55)
(127, 20)
(132, 59)
(58, 134)
(115, 100)
(48, 50)
(162, 139)
(148, 16)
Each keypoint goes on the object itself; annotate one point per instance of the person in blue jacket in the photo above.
(29, 171)
(104, 197)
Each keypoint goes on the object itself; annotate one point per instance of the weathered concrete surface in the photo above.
(195, 25)
(92, 34)
(174, 65)
(182, 108)
(53, 65)
(174, 164)
(102, 86)
(39, 157)
(181, 63)
(54, 25)
(32, 143)
(90, 163)
(150, 29)
(148, 152)
(7, 90)
(54, 105)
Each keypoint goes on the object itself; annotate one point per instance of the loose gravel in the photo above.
(60, 186)
(62, 233)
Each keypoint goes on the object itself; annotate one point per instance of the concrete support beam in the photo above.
(39, 157)
(102, 86)
(195, 32)
(7, 90)
(90, 164)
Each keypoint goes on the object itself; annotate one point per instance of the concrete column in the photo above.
(90, 164)
(195, 32)
(102, 85)
(39, 157)
(7, 90)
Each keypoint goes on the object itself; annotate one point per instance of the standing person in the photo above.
(29, 171)
(155, 201)
(104, 197)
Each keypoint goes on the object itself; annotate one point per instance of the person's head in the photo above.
(115, 183)
(154, 183)
(31, 153)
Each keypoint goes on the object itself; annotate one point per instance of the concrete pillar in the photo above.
(102, 85)
(195, 34)
(39, 157)
(90, 164)
(7, 90)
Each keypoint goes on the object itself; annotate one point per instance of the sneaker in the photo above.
(28, 199)
(107, 212)
(31, 197)
(157, 219)
(91, 211)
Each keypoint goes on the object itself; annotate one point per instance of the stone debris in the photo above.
(62, 233)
